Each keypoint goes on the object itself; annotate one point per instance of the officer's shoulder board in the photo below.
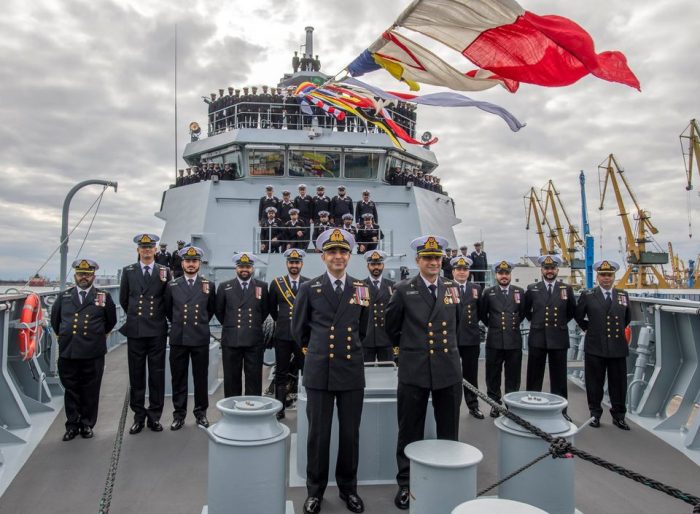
(532, 287)
(359, 283)
(621, 292)
(129, 267)
(173, 282)
(68, 292)
(588, 292)
(447, 282)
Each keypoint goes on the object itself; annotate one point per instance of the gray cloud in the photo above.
(87, 91)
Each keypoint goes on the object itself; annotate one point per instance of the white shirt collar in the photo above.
(548, 283)
(293, 279)
(372, 279)
(605, 291)
(194, 277)
(86, 290)
(343, 279)
(241, 282)
(461, 284)
(428, 283)
(151, 266)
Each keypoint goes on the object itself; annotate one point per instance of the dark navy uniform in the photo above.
(292, 237)
(272, 233)
(469, 337)
(368, 207)
(376, 345)
(282, 295)
(341, 205)
(264, 203)
(549, 315)
(481, 264)
(241, 314)
(366, 237)
(176, 261)
(305, 205)
(321, 203)
(319, 228)
(189, 305)
(164, 258)
(606, 349)
(329, 324)
(502, 312)
(82, 322)
(283, 210)
(424, 325)
(146, 329)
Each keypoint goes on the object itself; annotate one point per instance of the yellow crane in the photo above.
(534, 208)
(643, 265)
(678, 272)
(692, 154)
(570, 244)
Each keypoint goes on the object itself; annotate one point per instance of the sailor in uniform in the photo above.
(603, 313)
(376, 344)
(422, 319)
(82, 317)
(321, 203)
(268, 200)
(241, 308)
(141, 292)
(321, 226)
(190, 302)
(176, 260)
(271, 232)
(282, 295)
(480, 263)
(368, 234)
(468, 335)
(502, 310)
(366, 206)
(347, 224)
(163, 257)
(549, 306)
(296, 231)
(329, 321)
(341, 204)
(305, 204)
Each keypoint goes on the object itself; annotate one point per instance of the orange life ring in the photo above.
(31, 330)
(628, 334)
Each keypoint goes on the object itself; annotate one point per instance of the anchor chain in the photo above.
(560, 447)
(106, 500)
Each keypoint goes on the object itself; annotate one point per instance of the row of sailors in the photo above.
(334, 322)
(310, 207)
(275, 108)
(204, 172)
(397, 177)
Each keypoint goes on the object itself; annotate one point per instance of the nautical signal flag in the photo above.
(515, 44)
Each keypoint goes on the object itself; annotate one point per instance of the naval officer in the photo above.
(422, 319)
(141, 296)
(241, 308)
(603, 313)
(549, 306)
(81, 317)
(176, 260)
(190, 301)
(376, 344)
(502, 310)
(329, 321)
(282, 295)
(469, 335)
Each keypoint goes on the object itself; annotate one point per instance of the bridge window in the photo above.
(361, 165)
(266, 162)
(314, 163)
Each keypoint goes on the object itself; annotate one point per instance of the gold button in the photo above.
(331, 346)
(348, 347)
(74, 332)
(430, 324)
(444, 341)
(445, 350)
(75, 326)
(431, 341)
(331, 336)
(430, 334)
(332, 328)
(444, 323)
(349, 329)
(444, 332)
(347, 357)
(432, 351)
(349, 338)
(331, 355)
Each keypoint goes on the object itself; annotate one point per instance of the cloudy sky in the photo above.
(86, 91)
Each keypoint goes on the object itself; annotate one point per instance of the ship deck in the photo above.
(167, 472)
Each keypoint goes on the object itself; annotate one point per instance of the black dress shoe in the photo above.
(312, 505)
(280, 415)
(202, 421)
(567, 417)
(136, 427)
(476, 413)
(595, 423)
(177, 424)
(86, 432)
(494, 412)
(155, 426)
(70, 434)
(353, 502)
(402, 497)
(620, 423)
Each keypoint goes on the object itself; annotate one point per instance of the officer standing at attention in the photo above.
(82, 316)
(549, 306)
(422, 319)
(480, 263)
(502, 310)
(341, 204)
(163, 257)
(468, 335)
(321, 203)
(446, 266)
(190, 301)
(176, 260)
(376, 345)
(241, 308)
(285, 206)
(305, 204)
(366, 206)
(141, 294)
(268, 200)
(606, 349)
(271, 232)
(329, 321)
(320, 226)
(282, 295)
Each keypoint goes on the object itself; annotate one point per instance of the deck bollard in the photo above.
(549, 484)
(248, 458)
(496, 506)
(443, 475)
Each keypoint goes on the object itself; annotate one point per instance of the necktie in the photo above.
(190, 282)
(147, 272)
(549, 289)
(245, 287)
(432, 288)
(462, 290)
(376, 283)
(294, 286)
(339, 287)
(608, 299)
(83, 294)
(505, 291)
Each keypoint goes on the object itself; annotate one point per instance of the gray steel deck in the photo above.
(167, 472)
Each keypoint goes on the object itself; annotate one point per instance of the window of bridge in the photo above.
(362, 165)
(313, 162)
(264, 162)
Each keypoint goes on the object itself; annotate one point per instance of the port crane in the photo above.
(643, 265)
(690, 146)
(536, 210)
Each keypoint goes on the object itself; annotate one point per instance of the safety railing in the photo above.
(269, 240)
